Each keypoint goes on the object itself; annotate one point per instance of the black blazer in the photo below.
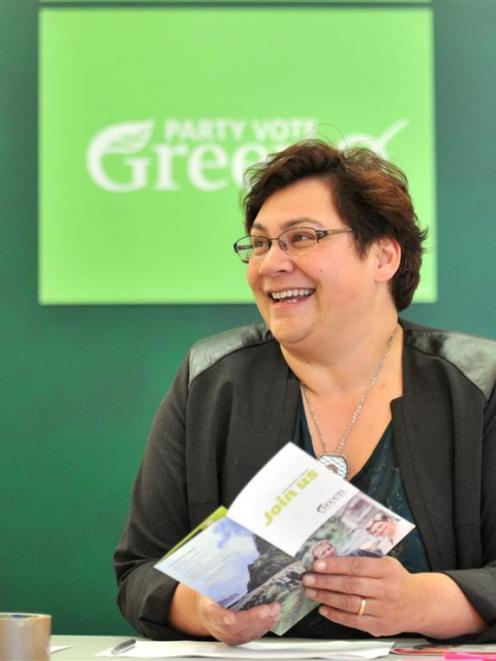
(233, 405)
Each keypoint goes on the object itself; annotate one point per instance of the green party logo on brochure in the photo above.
(150, 118)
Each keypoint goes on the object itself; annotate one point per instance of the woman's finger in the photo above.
(363, 621)
(354, 566)
(350, 585)
(348, 603)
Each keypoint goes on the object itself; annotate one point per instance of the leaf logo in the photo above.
(127, 138)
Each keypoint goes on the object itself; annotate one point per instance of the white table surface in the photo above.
(84, 648)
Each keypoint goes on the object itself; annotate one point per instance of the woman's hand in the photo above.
(376, 595)
(379, 596)
(193, 614)
(236, 628)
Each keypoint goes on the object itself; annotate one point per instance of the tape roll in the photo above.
(25, 637)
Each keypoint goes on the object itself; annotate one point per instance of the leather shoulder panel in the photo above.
(210, 350)
(474, 356)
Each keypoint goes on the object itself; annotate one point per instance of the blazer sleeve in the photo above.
(479, 584)
(158, 519)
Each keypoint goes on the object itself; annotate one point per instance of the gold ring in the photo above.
(363, 606)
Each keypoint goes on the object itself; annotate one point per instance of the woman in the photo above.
(375, 540)
(408, 414)
(322, 550)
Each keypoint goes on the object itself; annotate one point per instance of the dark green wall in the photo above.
(79, 385)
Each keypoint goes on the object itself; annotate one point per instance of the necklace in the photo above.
(337, 461)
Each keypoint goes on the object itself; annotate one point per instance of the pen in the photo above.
(125, 646)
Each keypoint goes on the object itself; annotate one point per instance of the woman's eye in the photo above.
(258, 242)
(298, 237)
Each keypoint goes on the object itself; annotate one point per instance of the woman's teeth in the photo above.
(291, 293)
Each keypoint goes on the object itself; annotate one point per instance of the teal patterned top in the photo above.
(380, 478)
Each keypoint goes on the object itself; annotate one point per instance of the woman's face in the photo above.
(335, 286)
(324, 550)
(386, 528)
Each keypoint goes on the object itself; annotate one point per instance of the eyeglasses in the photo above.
(294, 242)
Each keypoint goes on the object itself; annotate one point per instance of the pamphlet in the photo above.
(292, 512)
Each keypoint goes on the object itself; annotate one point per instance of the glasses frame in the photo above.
(319, 234)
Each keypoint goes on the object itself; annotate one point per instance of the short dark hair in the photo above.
(371, 196)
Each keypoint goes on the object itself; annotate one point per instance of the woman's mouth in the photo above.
(290, 295)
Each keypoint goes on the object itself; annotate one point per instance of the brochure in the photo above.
(293, 511)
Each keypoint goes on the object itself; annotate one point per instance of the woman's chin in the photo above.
(289, 334)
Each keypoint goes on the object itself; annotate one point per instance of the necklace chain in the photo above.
(356, 413)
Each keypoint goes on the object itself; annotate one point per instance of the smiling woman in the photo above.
(332, 252)
(343, 286)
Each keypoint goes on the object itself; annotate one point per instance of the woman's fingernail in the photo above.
(323, 611)
(308, 579)
(320, 565)
(311, 593)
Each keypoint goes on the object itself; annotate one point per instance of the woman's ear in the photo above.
(387, 252)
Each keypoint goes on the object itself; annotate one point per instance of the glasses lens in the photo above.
(244, 249)
(299, 239)
(251, 246)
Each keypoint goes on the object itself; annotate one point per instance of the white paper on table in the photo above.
(317, 645)
(275, 649)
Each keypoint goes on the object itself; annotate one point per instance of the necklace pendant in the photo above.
(336, 463)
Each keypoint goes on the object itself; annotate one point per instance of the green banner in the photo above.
(150, 116)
